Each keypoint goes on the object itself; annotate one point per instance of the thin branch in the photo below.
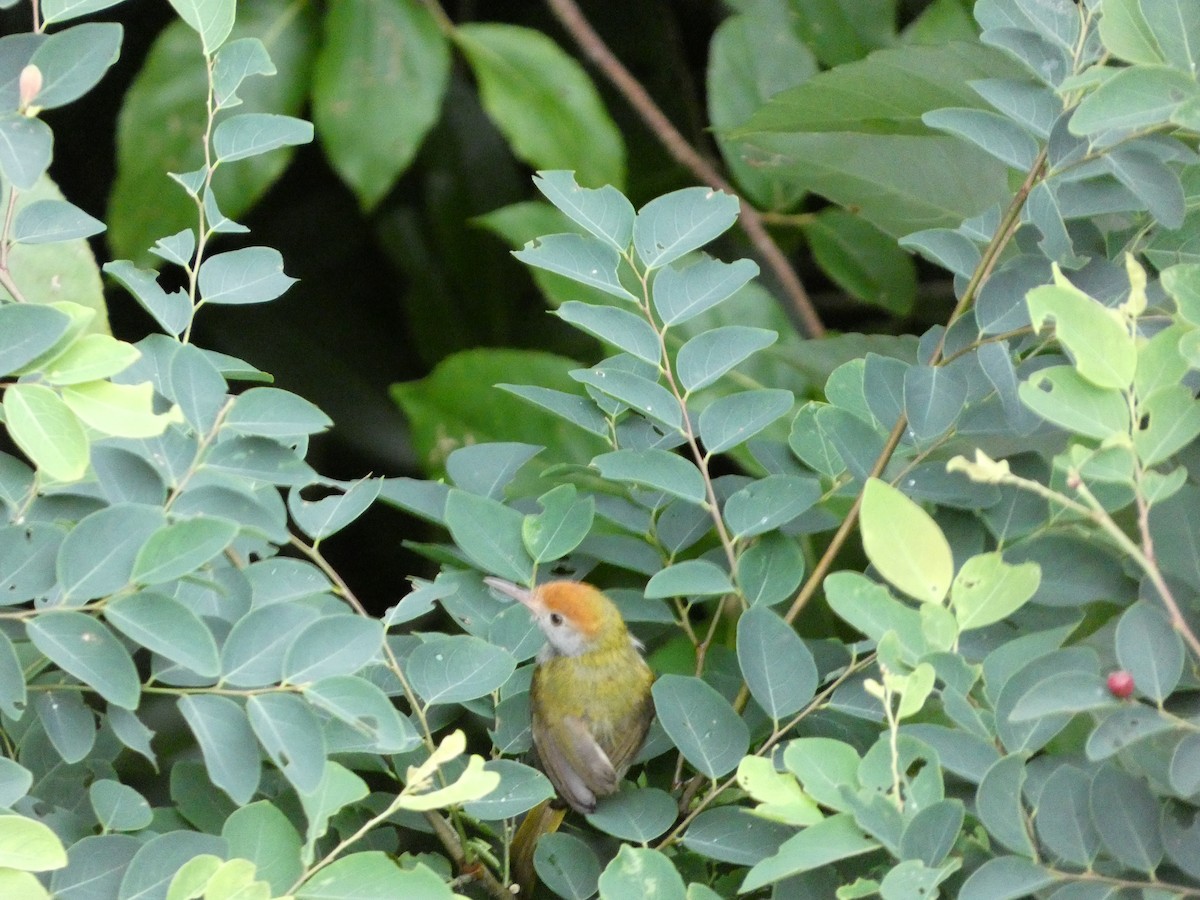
(573, 20)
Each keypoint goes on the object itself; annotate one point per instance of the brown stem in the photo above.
(573, 20)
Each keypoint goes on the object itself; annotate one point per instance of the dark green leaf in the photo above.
(543, 102)
(167, 627)
(377, 90)
(68, 722)
(80, 645)
(778, 667)
(681, 293)
(734, 835)
(830, 840)
(180, 548)
(770, 571)
(490, 534)
(1126, 814)
(333, 645)
(768, 503)
(690, 578)
(291, 735)
(862, 260)
(710, 354)
(701, 723)
(730, 421)
(656, 469)
(230, 751)
(635, 814)
(567, 866)
(1006, 878)
(521, 788)
(459, 668)
(1150, 650)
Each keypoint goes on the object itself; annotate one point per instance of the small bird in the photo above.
(590, 696)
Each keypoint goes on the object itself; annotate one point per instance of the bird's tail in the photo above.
(544, 818)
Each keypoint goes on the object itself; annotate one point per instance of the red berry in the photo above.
(1120, 684)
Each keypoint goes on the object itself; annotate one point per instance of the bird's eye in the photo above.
(555, 619)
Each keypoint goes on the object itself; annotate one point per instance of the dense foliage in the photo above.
(996, 698)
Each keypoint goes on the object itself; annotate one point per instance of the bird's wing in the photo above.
(628, 740)
(575, 764)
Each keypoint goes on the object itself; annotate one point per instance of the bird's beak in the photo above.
(524, 596)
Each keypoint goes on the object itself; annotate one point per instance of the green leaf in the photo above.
(710, 354)
(823, 765)
(227, 743)
(29, 846)
(734, 835)
(1125, 32)
(1064, 819)
(96, 558)
(987, 589)
(621, 328)
(778, 667)
(521, 788)
(164, 625)
(15, 781)
(681, 293)
(730, 421)
(840, 31)
(80, 645)
(604, 212)
(262, 834)
(1006, 879)
(68, 723)
(1135, 98)
(197, 386)
(862, 260)
(1170, 420)
(212, 20)
(339, 788)
(118, 807)
(171, 311)
(992, 132)
(1101, 346)
(1150, 650)
(1127, 726)
(252, 134)
(847, 99)
(171, 87)
(271, 412)
(656, 469)
(249, 275)
(567, 866)
(26, 332)
(378, 87)
(1061, 395)
(53, 221)
(490, 534)
(830, 840)
(95, 867)
(701, 723)
(677, 223)
(770, 571)
(457, 405)
(366, 709)
(768, 503)
(561, 526)
(46, 429)
(260, 459)
(648, 397)
(236, 61)
(543, 102)
(61, 10)
(156, 863)
(752, 57)
(181, 548)
(27, 561)
(635, 814)
(872, 609)
(372, 875)
(933, 400)
(458, 668)
(331, 646)
(690, 578)
(641, 872)
(88, 358)
(26, 146)
(580, 257)
(291, 735)
(905, 544)
(1071, 692)
(321, 518)
(931, 834)
(1126, 814)
(253, 653)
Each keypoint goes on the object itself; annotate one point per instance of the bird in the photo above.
(590, 695)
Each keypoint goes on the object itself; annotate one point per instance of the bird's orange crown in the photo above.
(582, 605)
